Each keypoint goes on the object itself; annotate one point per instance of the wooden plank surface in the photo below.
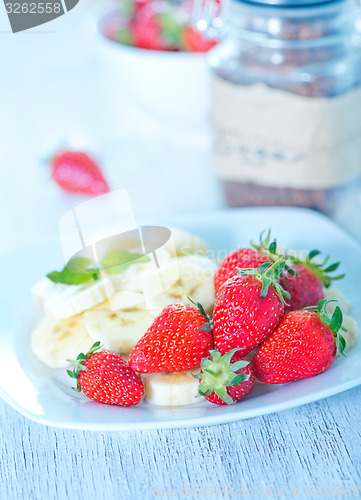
(314, 446)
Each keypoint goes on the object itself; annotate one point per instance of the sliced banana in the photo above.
(350, 335)
(183, 243)
(333, 293)
(189, 276)
(55, 341)
(133, 278)
(118, 330)
(171, 388)
(63, 301)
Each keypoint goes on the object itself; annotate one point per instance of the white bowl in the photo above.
(172, 86)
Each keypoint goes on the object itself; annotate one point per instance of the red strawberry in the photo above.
(303, 345)
(106, 377)
(306, 288)
(244, 258)
(225, 379)
(194, 41)
(177, 340)
(303, 280)
(248, 308)
(76, 172)
(147, 32)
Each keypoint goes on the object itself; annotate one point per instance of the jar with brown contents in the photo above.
(286, 103)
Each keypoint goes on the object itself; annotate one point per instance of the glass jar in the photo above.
(286, 103)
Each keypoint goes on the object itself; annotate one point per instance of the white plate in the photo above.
(44, 395)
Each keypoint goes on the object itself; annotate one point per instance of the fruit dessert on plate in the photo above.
(264, 314)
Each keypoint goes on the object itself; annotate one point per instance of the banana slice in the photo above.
(63, 301)
(333, 293)
(188, 276)
(118, 330)
(183, 243)
(133, 278)
(350, 335)
(171, 388)
(55, 341)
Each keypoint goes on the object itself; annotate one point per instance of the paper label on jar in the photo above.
(275, 138)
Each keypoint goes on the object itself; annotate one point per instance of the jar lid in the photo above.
(289, 3)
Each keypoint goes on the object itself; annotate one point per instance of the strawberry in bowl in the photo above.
(151, 54)
(156, 25)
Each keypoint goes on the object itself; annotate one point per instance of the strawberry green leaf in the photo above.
(207, 327)
(219, 373)
(123, 36)
(201, 309)
(222, 393)
(94, 348)
(215, 355)
(78, 364)
(72, 374)
(313, 254)
(238, 379)
(336, 320)
(321, 305)
(268, 274)
(238, 365)
(319, 268)
(266, 282)
(341, 345)
(332, 267)
(273, 247)
(263, 267)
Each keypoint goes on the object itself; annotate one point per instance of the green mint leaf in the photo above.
(118, 261)
(77, 271)
(68, 277)
(79, 264)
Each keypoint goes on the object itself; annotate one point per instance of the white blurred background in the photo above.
(56, 90)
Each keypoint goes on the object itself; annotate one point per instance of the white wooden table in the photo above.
(310, 451)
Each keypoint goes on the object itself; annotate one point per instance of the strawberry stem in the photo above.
(320, 269)
(334, 322)
(207, 327)
(268, 274)
(74, 373)
(219, 373)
